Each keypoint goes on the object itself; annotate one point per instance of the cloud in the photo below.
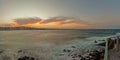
(57, 20)
(52, 22)
(27, 20)
(61, 20)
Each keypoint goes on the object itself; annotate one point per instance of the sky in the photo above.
(76, 14)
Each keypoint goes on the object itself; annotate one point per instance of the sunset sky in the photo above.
(76, 14)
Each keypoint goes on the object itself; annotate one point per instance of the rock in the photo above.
(6, 58)
(95, 41)
(64, 50)
(19, 51)
(26, 58)
(73, 47)
(79, 56)
(1, 51)
(68, 50)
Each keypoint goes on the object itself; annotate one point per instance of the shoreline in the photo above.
(77, 49)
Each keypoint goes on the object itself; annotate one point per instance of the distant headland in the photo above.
(30, 28)
(21, 28)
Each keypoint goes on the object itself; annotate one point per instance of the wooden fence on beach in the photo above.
(112, 48)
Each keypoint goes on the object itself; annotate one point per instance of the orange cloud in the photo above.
(53, 22)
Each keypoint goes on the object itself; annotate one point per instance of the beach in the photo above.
(51, 44)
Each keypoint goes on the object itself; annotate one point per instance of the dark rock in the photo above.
(95, 41)
(26, 58)
(64, 50)
(73, 47)
(79, 56)
(1, 51)
(68, 50)
(19, 51)
(82, 58)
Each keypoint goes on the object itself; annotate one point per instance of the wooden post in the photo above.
(106, 55)
(117, 43)
(114, 44)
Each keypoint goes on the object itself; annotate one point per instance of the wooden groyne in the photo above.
(112, 48)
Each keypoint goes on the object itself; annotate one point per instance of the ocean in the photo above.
(49, 44)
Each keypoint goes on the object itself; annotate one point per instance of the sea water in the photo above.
(49, 44)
